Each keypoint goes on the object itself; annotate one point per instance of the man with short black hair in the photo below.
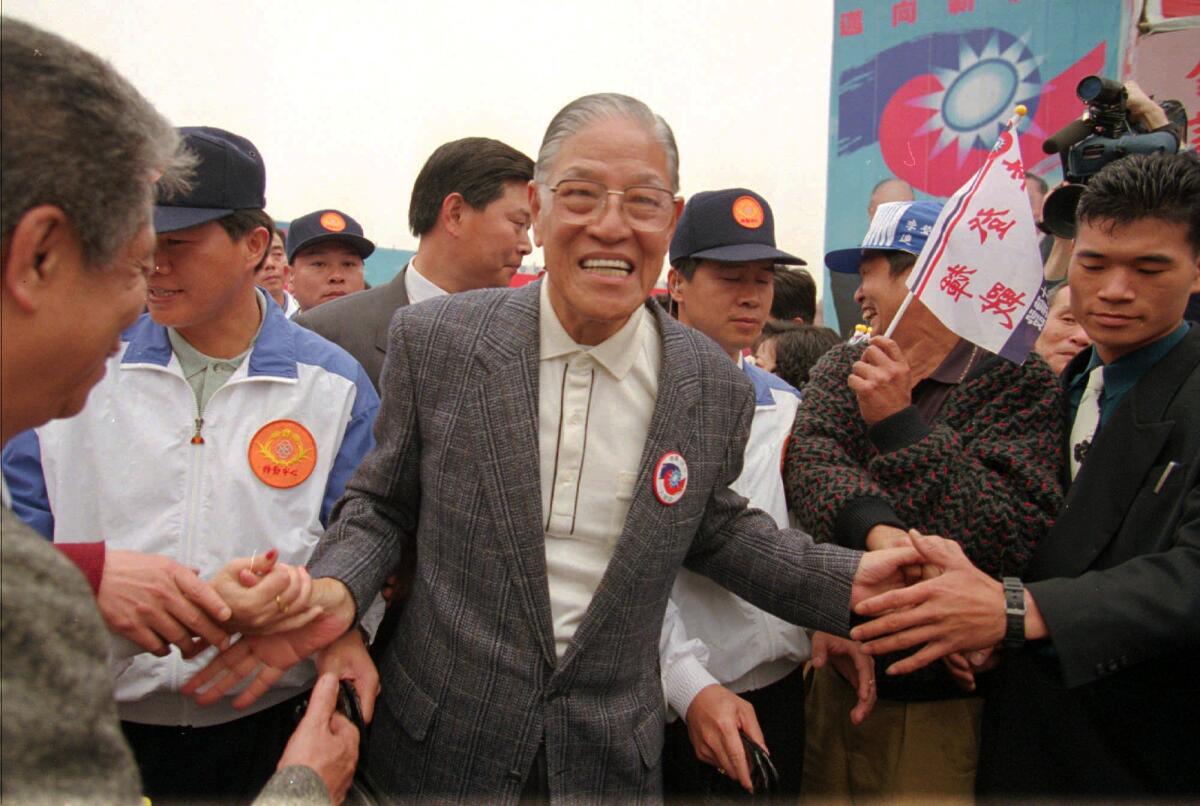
(470, 210)
(220, 430)
(326, 249)
(1095, 693)
(795, 297)
(726, 664)
(275, 274)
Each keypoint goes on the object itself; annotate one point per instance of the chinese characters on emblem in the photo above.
(992, 220)
(1001, 300)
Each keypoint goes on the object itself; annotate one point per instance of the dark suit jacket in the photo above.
(472, 684)
(1112, 704)
(358, 323)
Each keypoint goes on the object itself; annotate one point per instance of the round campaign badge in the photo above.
(748, 212)
(670, 478)
(282, 454)
(333, 222)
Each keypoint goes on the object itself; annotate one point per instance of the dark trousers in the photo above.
(221, 763)
(780, 711)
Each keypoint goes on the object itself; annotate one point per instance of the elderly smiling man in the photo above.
(525, 662)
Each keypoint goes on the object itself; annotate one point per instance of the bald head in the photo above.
(889, 190)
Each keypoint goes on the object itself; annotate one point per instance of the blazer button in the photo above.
(1100, 669)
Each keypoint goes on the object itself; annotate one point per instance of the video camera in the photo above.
(1103, 135)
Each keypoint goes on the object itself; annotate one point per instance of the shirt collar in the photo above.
(273, 353)
(957, 363)
(190, 356)
(419, 287)
(1124, 373)
(616, 353)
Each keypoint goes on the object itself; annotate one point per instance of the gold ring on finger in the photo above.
(283, 608)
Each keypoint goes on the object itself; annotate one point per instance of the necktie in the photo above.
(1087, 419)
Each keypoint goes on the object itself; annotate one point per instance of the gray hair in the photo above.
(78, 136)
(583, 112)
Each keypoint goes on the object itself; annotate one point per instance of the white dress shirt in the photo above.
(709, 634)
(418, 287)
(594, 410)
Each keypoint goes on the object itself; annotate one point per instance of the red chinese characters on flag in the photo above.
(1002, 301)
(851, 23)
(904, 12)
(980, 272)
(991, 220)
(956, 281)
(960, 6)
(1016, 170)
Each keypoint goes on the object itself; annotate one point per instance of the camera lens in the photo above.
(1089, 88)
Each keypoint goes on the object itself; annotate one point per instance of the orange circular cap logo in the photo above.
(333, 222)
(748, 212)
(282, 454)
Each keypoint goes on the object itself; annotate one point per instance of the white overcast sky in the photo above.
(347, 99)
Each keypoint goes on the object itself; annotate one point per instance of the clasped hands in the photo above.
(949, 608)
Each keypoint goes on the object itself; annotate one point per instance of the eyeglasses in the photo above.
(644, 207)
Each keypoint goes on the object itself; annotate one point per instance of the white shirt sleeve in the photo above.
(683, 662)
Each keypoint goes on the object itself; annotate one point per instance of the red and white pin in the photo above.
(670, 478)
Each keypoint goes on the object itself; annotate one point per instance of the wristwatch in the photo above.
(1014, 613)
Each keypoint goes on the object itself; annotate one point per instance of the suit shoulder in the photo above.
(315, 349)
(349, 310)
(467, 310)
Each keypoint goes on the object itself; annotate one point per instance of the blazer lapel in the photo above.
(1115, 470)
(672, 428)
(508, 398)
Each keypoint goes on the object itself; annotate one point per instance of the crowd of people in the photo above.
(269, 533)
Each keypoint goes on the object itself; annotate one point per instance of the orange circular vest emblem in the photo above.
(748, 212)
(282, 454)
(333, 222)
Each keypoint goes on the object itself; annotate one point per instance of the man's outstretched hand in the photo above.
(960, 611)
(154, 602)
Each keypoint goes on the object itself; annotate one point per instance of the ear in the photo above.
(42, 249)
(535, 209)
(674, 279)
(451, 215)
(256, 243)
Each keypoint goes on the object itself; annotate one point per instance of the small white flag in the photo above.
(980, 272)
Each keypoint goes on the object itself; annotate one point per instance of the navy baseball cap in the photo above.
(230, 175)
(731, 226)
(326, 225)
(896, 227)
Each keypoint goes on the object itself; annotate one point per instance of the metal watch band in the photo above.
(1014, 612)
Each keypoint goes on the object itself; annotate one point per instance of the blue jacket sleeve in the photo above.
(356, 443)
(22, 463)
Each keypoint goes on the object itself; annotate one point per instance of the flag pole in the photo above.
(1019, 112)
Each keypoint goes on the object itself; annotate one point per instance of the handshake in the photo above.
(922, 591)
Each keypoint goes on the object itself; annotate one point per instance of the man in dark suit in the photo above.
(470, 210)
(1095, 693)
(554, 454)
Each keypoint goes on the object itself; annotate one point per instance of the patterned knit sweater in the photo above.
(985, 472)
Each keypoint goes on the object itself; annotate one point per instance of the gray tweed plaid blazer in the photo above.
(471, 682)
